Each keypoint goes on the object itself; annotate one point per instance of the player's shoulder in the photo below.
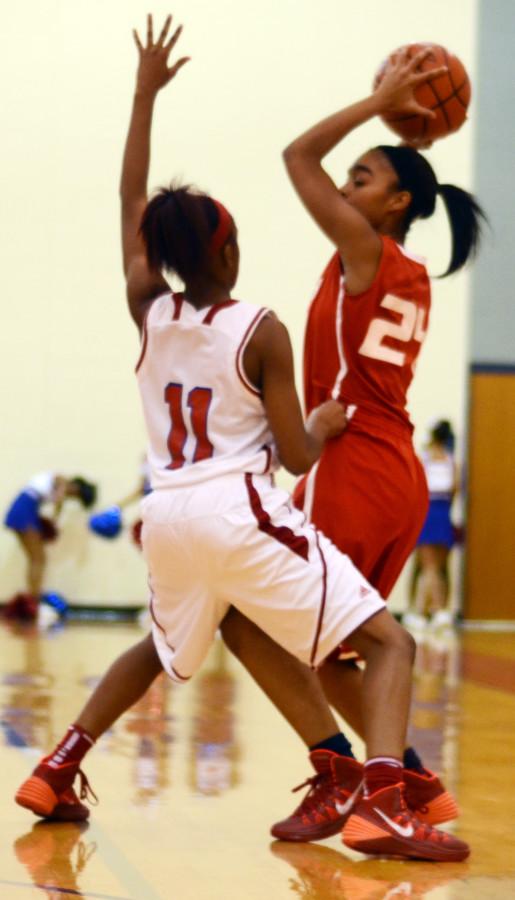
(400, 254)
(235, 317)
(162, 307)
(402, 270)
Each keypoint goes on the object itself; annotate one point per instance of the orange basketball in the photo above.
(448, 95)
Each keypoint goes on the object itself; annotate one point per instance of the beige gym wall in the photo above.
(259, 74)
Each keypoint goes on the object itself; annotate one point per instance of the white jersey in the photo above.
(41, 486)
(439, 473)
(204, 418)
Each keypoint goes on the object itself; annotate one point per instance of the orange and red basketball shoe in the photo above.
(49, 793)
(382, 825)
(328, 802)
(427, 797)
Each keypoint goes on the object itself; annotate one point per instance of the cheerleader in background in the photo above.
(431, 577)
(34, 530)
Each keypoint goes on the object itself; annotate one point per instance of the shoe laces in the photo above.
(86, 792)
(315, 797)
(84, 854)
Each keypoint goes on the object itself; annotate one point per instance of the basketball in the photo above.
(448, 95)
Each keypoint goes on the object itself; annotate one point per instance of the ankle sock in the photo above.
(381, 772)
(71, 749)
(338, 743)
(412, 761)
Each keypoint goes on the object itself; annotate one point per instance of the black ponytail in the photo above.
(176, 228)
(415, 175)
(465, 215)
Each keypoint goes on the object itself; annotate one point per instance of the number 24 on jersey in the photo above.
(410, 328)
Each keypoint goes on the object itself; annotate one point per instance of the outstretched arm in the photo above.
(358, 243)
(143, 284)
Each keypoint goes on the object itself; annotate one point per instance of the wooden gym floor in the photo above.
(191, 779)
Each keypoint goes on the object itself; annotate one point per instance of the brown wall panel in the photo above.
(490, 551)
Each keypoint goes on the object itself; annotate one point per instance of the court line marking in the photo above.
(120, 866)
(69, 891)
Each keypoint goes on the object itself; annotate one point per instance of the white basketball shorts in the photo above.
(238, 541)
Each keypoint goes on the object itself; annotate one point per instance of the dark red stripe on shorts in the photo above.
(297, 543)
(163, 632)
(322, 602)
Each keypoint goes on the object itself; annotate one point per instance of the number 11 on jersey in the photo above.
(198, 402)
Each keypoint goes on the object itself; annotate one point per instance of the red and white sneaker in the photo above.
(328, 802)
(383, 825)
(427, 797)
(49, 793)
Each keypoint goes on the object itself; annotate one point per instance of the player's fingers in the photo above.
(417, 109)
(150, 33)
(174, 38)
(137, 41)
(419, 58)
(419, 77)
(178, 65)
(164, 31)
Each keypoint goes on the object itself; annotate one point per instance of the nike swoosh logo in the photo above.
(343, 808)
(406, 831)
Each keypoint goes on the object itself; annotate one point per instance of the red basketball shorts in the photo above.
(368, 494)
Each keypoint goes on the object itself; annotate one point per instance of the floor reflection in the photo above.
(27, 694)
(55, 855)
(150, 721)
(322, 873)
(214, 752)
(434, 721)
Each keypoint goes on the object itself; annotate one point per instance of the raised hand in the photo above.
(153, 70)
(396, 91)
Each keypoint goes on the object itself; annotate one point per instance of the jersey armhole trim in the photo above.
(241, 350)
(144, 339)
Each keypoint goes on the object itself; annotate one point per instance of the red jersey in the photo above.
(362, 349)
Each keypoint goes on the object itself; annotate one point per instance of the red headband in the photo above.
(222, 230)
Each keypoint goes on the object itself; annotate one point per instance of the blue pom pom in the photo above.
(108, 523)
(56, 601)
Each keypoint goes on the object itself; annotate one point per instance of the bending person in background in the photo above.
(33, 530)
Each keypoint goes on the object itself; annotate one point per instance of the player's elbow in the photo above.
(290, 155)
(297, 463)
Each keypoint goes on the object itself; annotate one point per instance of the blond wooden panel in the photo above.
(490, 557)
(191, 779)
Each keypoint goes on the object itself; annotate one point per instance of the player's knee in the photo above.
(405, 644)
